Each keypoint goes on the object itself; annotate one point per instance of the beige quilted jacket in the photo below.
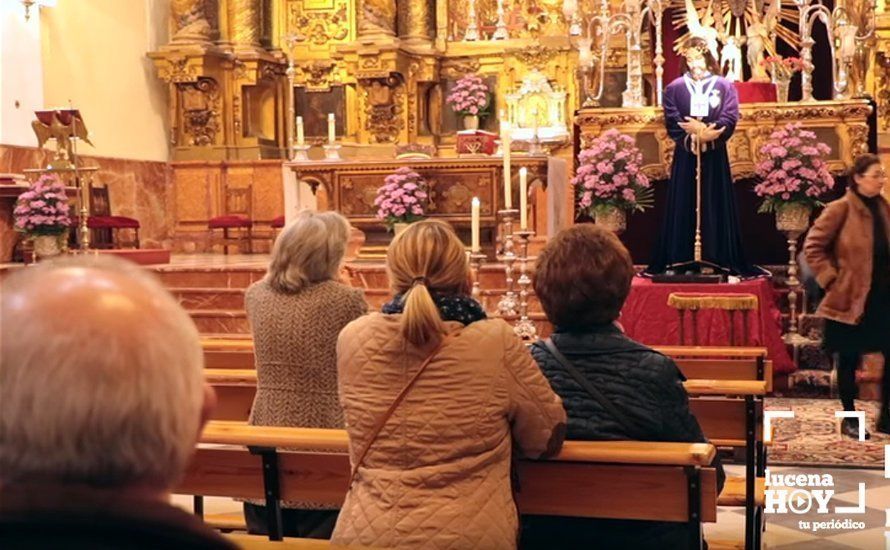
(438, 475)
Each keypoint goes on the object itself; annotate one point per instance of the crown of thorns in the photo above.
(695, 48)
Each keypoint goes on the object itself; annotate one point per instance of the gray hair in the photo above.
(309, 250)
(101, 376)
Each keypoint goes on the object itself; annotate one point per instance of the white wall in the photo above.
(21, 73)
(94, 57)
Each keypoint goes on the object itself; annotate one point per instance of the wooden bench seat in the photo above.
(602, 479)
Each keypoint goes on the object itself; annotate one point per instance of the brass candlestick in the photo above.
(525, 327)
(507, 304)
(476, 260)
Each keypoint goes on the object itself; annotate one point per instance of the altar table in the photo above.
(646, 317)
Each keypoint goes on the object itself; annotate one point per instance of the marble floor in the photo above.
(783, 531)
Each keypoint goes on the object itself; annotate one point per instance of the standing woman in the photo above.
(437, 400)
(296, 313)
(848, 250)
(700, 105)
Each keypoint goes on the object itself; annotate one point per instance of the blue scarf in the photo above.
(452, 307)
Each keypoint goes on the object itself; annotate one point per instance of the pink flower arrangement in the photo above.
(402, 197)
(610, 175)
(784, 65)
(43, 208)
(792, 169)
(469, 96)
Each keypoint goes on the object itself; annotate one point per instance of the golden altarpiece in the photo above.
(239, 71)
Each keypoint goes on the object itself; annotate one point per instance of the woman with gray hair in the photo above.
(296, 313)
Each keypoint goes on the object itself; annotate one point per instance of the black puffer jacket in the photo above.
(644, 385)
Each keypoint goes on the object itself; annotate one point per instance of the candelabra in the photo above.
(477, 258)
(600, 28)
(472, 33)
(507, 304)
(291, 42)
(500, 30)
(525, 327)
(808, 14)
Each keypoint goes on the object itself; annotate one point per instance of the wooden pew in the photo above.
(616, 479)
(727, 422)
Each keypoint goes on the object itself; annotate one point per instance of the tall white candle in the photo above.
(474, 219)
(523, 198)
(332, 129)
(300, 137)
(505, 140)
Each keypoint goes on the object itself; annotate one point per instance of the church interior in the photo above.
(188, 137)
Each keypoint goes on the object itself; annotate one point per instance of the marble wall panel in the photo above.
(138, 189)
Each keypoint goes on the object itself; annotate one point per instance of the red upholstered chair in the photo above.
(277, 224)
(105, 228)
(236, 225)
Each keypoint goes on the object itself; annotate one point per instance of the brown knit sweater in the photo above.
(295, 342)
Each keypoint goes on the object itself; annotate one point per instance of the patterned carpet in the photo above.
(813, 436)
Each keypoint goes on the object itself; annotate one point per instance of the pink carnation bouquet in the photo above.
(469, 96)
(43, 208)
(402, 197)
(792, 170)
(610, 175)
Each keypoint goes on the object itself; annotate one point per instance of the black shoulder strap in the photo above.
(632, 430)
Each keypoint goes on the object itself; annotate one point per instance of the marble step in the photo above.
(210, 298)
(239, 278)
(225, 321)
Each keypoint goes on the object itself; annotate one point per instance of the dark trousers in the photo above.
(308, 524)
(847, 363)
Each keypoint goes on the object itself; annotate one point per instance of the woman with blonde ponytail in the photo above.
(435, 397)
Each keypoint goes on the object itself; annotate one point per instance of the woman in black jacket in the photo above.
(582, 278)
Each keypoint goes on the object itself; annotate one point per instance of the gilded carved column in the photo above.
(191, 21)
(416, 20)
(376, 18)
(245, 22)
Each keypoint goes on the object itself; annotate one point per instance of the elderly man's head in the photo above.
(101, 378)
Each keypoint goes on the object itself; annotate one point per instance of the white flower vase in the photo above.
(47, 246)
(399, 228)
(471, 122)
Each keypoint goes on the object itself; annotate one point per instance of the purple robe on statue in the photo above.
(721, 239)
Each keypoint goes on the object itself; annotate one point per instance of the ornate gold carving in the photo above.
(190, 19)
(377, 17)
(535, 56)
(318, 75)
(200, 103)
(178, 69)
(458, 67)
(882, 68)
(320, 27)
(841, 124)
(858, 136)
(245, 23)
(383, 109)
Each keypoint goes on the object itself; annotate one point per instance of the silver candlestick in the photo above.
(500, 30)
(472, 33)
(331, 152)
(300, 153)
(525, 327)
(476, 261)
(507, 304)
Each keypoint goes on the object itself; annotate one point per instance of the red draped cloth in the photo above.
(756, 92)
(647, 318)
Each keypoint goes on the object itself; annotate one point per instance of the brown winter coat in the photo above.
(839, 250)
(438, 475)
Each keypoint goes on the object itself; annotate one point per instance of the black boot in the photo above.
(850, 428)
(883, 423)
